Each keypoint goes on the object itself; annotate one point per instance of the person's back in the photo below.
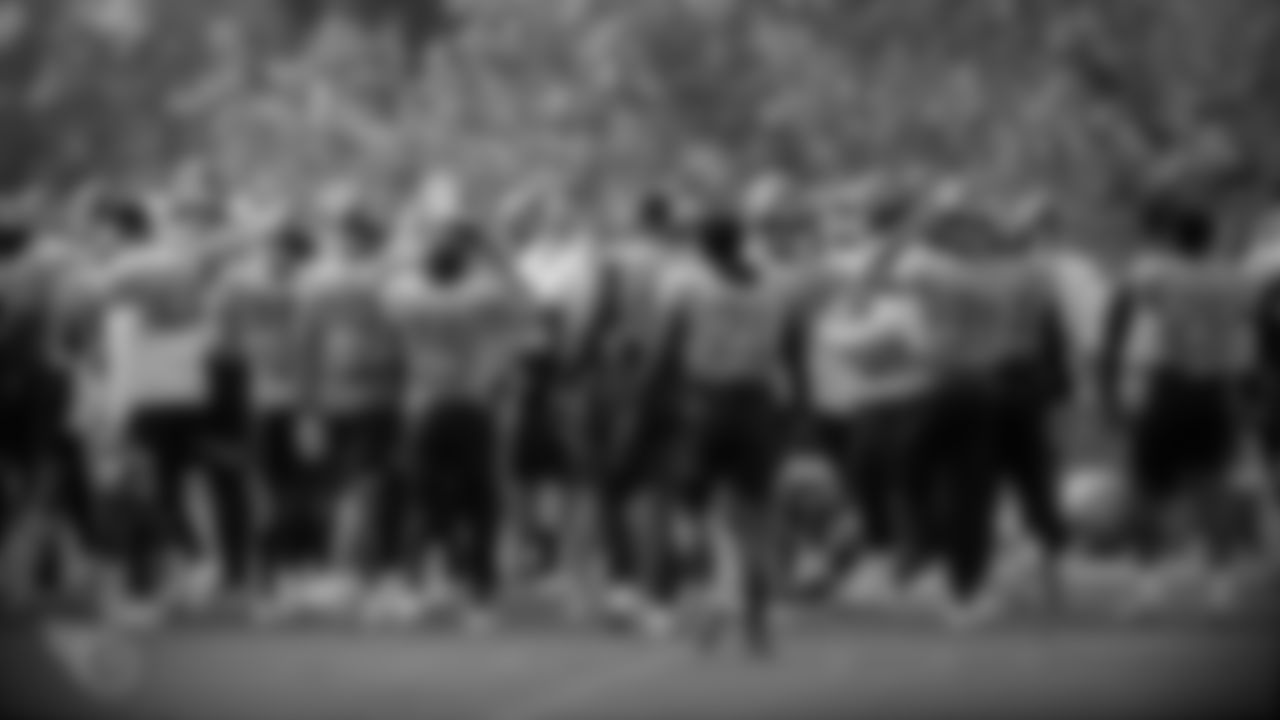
(262, 330)
(734, 330)
(1199, 313)
(158, 296)
(869, 343)
(350, 342)
(463, 340)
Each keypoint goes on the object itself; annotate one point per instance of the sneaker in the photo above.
(972, 614)
(330, 593)
(623, 601)
(1150, 593)
(655, 622)
(812, 567)
(1224, 591)
(871, 584)
(391, 604)
(477, 620)
(927, 593)
(197, 586)
(106, 665)
(135, 614)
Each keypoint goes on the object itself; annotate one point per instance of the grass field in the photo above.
(826, 668)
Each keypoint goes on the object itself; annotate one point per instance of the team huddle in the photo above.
(298, 407)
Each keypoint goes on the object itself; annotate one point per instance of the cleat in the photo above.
(132, 614)
(478, 621)
(623, 601)
(973, 614)
(869, 586)
(655, 623)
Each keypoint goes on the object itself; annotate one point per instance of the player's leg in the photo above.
(1029, 463)
(236, 486)
(1222, 513)
(755, 436)
(1158, 471)
(970, 494)
(479, 473)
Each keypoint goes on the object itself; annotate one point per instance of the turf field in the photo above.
(833, 668)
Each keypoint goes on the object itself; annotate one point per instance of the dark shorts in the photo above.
(542, 451)
(1188, 433)
(360, 443)
(171, 437)
(228, 406)
(273, 446)
(733, 440)
(457, 440)
(35, 404)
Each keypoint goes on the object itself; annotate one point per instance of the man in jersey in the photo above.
(1262, 263)
(350, 422)
(732, 332)
(260, 316)
(562, 270)
(21, 360)
(67, 315)
(1031, 375)
(466, 329)
(158, 291)
(982, 338)
(867, 364)
(1181, 348)
(638, 412)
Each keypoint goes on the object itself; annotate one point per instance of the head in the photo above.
(655, 215)
(291, 246)
(16, 239)
(456, 252)
(128, 222)
(722, 239)
(1179, 227)
(363, 235)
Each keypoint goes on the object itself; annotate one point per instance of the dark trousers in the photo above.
(956, 500)
(1183, 445)
(736, 435)
(173, 442)
(453, 492)
(876, 453)
(637, 484)
(358, 464)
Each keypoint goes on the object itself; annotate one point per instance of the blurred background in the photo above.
(1090, 98)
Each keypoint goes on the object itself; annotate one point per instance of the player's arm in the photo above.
(1112, 368)
(1054, 351)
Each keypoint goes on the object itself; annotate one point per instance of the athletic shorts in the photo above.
(274, 446)
(455, 442)
(360, 442)
(733, 438)
(229, 406)
(542, 452)
(171, 435)
(1187, 433)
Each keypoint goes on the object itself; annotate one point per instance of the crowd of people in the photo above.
(397, 411)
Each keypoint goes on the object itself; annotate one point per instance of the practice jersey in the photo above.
(565, 282)
(986, 313)
(460, 342)
(159, 325)
(1192, 317)
(639, 296)
(261, 324)
(734, 332)
(350, 341)
(865, 344)
(1085, 292)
